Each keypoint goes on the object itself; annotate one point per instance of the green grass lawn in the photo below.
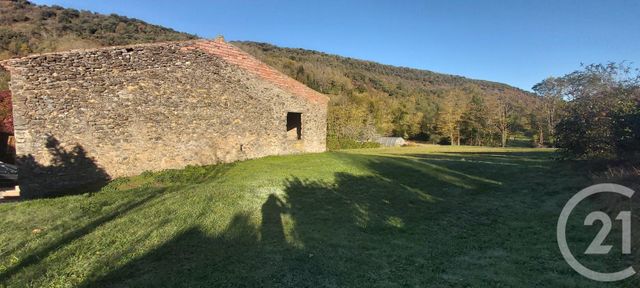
(402, 217)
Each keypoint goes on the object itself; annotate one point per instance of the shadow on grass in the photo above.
(133, 193)
(493, 165)
(36, 256)
(520, 142)
(354, 230)
(402, 220)
(529, 155)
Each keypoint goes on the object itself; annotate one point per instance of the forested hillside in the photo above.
(26, 28)
(367, 98)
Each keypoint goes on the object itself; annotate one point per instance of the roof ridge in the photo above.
(238, 57)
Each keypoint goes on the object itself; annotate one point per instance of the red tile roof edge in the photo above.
(247, 62)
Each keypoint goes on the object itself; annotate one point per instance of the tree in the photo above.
(449, 116)
(600, 119)
(407, 124)
(6, 112)
(551, 91)
(536, 128)
(474, 124)
(350, 121)
(503, 119)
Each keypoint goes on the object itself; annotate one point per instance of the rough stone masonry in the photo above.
(91, 115)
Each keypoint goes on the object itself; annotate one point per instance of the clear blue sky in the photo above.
(518, 42)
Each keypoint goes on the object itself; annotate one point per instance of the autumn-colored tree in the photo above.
(6, 112)
(475, 123)
(551, 91)
(503, 119)
(536, 125)
(451, 109)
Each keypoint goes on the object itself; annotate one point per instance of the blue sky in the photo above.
(517, 42)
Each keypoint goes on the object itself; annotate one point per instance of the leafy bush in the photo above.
(626, 128)
(601, 120)
(46, 14)
(13, 42)
(334, 143)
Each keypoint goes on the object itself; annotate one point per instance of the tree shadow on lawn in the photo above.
(518, 158)
(93, 211)
(500, 167)
(397, 225)
(38, 255)
(413, 220)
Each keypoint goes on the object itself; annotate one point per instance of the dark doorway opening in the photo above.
(294, 126)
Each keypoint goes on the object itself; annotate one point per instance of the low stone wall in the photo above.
(87, 116)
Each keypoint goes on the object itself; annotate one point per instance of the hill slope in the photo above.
(368, 98)
(26, 28)
(391, 100)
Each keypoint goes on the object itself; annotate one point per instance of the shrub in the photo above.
(334, 143)
(601, 119)
(46, 14)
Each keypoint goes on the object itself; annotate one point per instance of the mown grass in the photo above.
(395, 217)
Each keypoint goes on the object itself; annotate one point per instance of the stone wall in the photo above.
(86, 116)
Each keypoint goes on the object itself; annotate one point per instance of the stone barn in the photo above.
(86, 116)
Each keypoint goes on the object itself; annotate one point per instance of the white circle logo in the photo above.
(596, 246)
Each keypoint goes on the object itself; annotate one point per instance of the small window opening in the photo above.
(294, 126)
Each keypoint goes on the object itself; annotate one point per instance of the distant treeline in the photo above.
(370, 99)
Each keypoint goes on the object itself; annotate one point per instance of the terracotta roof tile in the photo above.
(244, 60)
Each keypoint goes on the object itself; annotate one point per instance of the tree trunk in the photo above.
(504, 138)
(451, 138)
(552, 120)
(541, 140)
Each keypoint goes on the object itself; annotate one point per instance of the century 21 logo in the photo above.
(597, 246)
